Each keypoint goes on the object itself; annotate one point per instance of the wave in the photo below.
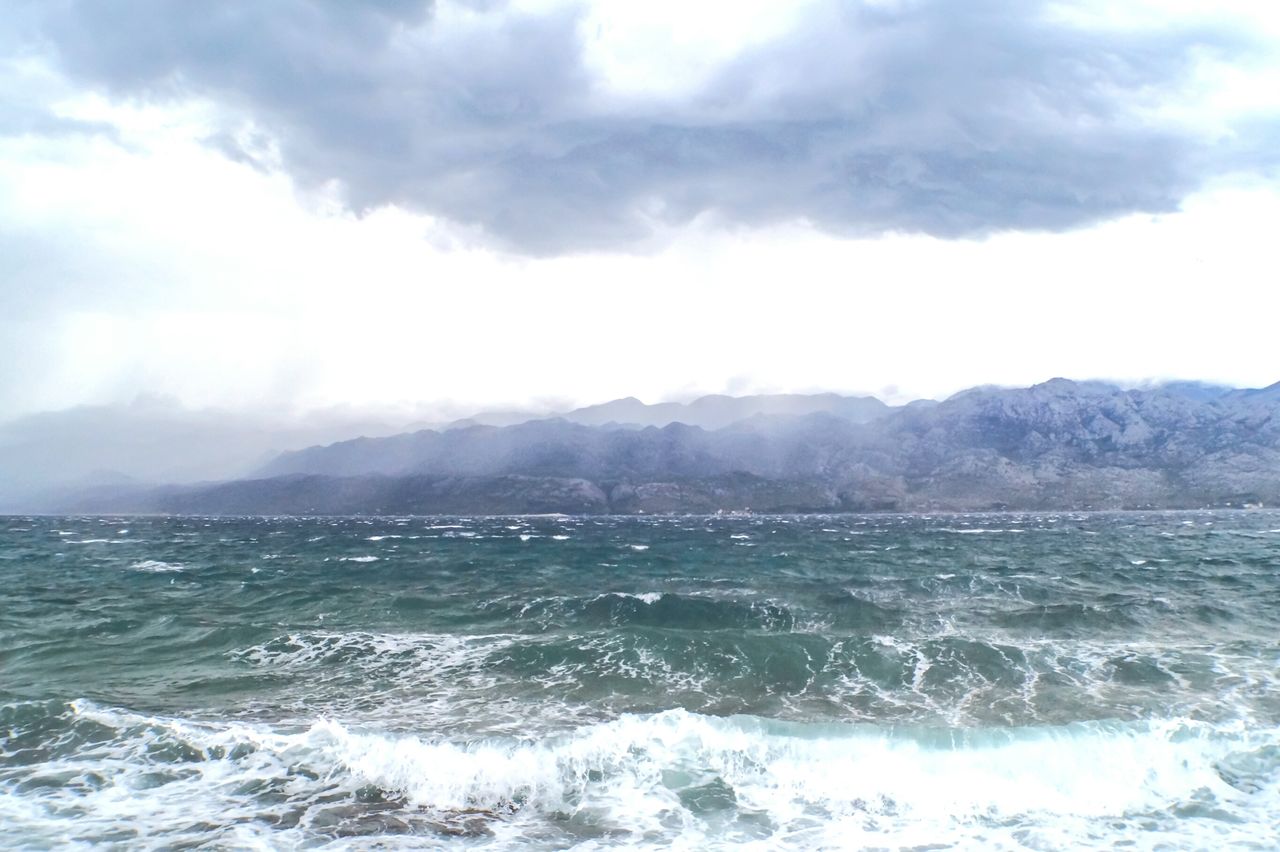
(848, 610)
(651, 609)
(1070, 616)
(411, 655)
(670, 777)
(501, 679)
(978, 530)
(156, 566)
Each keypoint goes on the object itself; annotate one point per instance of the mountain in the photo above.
(1199, 391)
(717, 411)
(476, 448)
(48, 459)
(1269, 394)
(1056, 445)
(710, 412)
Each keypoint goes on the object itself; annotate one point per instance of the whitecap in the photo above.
(155, 566)
(644, 597)
(977, 530)
(809, 786)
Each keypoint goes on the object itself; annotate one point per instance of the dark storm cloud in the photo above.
(949, 118)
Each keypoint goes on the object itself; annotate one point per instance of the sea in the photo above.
(995, 681)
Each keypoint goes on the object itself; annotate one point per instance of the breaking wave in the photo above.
(674, 776)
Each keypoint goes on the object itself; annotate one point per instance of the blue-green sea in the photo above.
(1011, 681)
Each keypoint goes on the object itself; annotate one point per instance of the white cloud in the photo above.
(221, 285)
(663, 48)
(149, 262)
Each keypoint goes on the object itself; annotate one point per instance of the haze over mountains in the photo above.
(47, 457)
(153, 440)
(710, 412)
(1056, 445)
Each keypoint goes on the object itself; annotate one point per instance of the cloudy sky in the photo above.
(313, 203)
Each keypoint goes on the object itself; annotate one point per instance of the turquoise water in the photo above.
(977, 681)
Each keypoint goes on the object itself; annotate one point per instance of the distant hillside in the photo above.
(1057, 445)
(479, 448)
(718, 411)
(709, 412)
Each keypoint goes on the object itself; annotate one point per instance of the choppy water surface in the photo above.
(995, 681)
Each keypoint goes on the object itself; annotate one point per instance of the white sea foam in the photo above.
(367, 558)
(410, 657)
(644, 597)
(155, 566)
(639, 547)
(978, 530)
(1172, 782)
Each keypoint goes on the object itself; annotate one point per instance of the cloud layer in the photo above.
(950, 119)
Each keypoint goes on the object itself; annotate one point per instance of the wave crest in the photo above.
(661, 775)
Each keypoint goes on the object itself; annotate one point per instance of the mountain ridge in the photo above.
(1059, 444)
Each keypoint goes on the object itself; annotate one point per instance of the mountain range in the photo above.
(48, 457)
(1057, 445)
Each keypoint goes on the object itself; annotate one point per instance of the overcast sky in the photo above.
(309, 203)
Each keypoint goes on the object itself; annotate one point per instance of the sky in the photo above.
(420, 207)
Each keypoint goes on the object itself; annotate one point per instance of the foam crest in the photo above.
(156, 566)
(795, 772)
(643, 597)
(649, 775)
(954, 680)
(422, 653)
(697, 611)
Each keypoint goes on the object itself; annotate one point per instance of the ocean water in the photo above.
(1041, 681)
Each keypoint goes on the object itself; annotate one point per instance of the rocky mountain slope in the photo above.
(1057, 445)
(565, 442)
